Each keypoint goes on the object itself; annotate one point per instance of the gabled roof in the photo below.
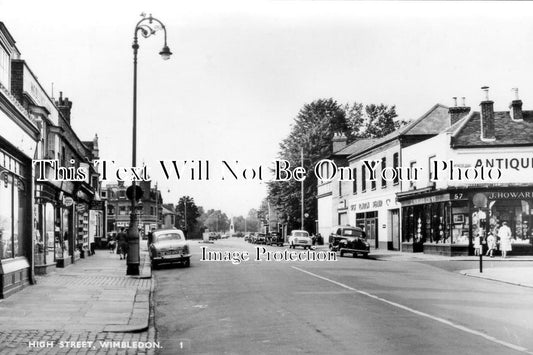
(167, 211)
(431, 123)
(355, 146)
(506, 131)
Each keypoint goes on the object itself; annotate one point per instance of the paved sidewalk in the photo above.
(521, 276)
(90, 300)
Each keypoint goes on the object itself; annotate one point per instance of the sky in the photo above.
(241, 71)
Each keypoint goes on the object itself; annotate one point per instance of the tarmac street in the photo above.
(390, 303)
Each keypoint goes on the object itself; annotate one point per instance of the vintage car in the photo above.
(274, 238)
(348, 239)
(169, 246)
(260, 238)
(300, 238)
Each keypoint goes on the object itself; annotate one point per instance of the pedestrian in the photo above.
(505, 239)
(112, 244)
(491, 244)
(477, 245)
(122, 239)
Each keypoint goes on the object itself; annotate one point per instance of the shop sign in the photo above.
(425, 200)
(362, 206)
(97, 205)
(81, 207)
(68, 201)
(509, 195)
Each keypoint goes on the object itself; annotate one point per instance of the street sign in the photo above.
(138, 192)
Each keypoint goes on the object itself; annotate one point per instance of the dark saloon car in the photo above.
(274, 238)
(169, 246)
(260, 238)
(347, 239)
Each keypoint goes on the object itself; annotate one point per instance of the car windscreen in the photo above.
(167, 236)
(301, 234)
(353, 233)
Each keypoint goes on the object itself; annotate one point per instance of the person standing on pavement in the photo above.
(477, 245)
(505, 239)
(491, 244)
(122, 239)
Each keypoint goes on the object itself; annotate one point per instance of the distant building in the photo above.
(119, 207)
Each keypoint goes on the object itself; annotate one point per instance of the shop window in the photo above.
(6, 218)
(354, 183)
(383, 166)
(363, 178)
(412, 183)
(460, 222)
(4, 67)
(49, 232)
(431, 161)
(395, 165)
(122, 210)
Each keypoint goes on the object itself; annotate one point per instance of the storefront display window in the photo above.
(518, 215)
(65, 233)
(460, 223)
(6, 201)
(49, 232)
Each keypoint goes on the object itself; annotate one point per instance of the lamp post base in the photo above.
(133, 269)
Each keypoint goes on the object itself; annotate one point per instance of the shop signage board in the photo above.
(68, 201)
(427, 199)
(97, 205)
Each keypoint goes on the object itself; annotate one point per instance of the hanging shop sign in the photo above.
(68, 201)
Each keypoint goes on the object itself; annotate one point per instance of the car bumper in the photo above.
(352, 250)
(171, 258)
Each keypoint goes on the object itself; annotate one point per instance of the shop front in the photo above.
(15, 221)
(378, 217)
(447, 222)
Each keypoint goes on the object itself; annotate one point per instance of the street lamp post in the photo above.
(147, 27)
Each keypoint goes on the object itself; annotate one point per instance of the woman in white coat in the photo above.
(505, 239)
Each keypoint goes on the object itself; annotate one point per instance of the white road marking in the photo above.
(422, 314)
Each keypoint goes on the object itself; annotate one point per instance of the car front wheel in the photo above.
(187, 263)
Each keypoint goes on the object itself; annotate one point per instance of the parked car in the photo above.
(347, 239)
(225, 236)
(169, 246)
(253, 238)
(275, 238)
(260, 238)
(300, 238)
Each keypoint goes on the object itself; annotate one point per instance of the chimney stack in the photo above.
(487, 118)
(457, 112)
(516, 107)
(64, 106)
(339, 141)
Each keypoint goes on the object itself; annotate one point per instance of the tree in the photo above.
(312, 132)
(371, 121)
(216, 220)
(252, 222)
(186, 209)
